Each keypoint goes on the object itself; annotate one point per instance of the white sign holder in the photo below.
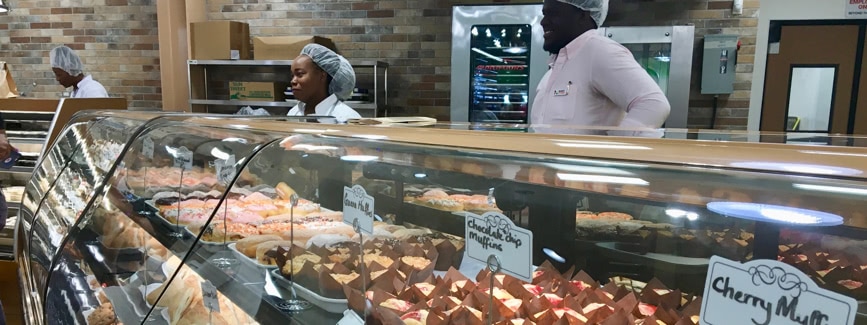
(769, 292)
(358, 208)
(183, 159)
(493, 234)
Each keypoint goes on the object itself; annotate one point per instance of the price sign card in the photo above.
(147, 148)
(769, 292)
(358, 206)
(225, 169)
(495, 234)
(183, 158)
(209, 297)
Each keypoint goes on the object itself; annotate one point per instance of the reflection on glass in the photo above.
(655, 58)
(500, 74)
(811, 91)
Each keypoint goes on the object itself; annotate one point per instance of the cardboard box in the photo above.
(220, 40)
(257, 91)
(286, 47)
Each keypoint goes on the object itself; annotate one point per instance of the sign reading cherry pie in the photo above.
(495, 234)
(769, 292)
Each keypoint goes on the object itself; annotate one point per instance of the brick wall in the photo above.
(414, 37)
(117, 40)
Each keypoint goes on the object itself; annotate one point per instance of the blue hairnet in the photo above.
(65, 58)
(598, 9)
(336, 66)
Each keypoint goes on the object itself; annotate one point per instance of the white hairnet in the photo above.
(341, 72)
(598, 9)
(65, 58)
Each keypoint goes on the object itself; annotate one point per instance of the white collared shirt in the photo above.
(89, 88)
(595, 81)
(330, 106)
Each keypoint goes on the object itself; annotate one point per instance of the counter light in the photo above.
(370, 136)
(831, 189)
(420, 175)
(775, 214)
(359, 158)
(553, 255)
(589, 169)
(798, 168)
(602, 179)
(219, 154)
(238, 140)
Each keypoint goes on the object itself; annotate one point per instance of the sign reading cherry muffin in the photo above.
(358, 208)
(769, 292)
(495, 234)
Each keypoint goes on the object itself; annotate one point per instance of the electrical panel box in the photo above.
(718, 64)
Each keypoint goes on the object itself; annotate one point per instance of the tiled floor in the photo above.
(9, 293)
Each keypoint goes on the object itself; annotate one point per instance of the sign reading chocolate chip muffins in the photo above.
(769, 292)
(358, 207)
(495, 234)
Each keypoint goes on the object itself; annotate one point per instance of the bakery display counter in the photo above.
(189, 220)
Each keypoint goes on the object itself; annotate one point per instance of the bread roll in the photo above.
(197, 314)
(247, 246)
(284, 191)
(436, 193)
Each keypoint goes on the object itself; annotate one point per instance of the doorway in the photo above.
(813, 78)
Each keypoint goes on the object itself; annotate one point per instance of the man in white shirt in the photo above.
(592, 80)
(68, 72)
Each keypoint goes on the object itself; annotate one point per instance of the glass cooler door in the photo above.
(500, 78)
(655, 58)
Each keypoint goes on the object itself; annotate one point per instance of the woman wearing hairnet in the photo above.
(68, 71)
(592, 80)
(321, 81)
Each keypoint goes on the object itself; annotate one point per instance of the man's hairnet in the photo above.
(341, 72)
(598, 9)
(65, 58)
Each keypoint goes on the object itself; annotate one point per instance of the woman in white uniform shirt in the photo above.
(321, 81)
(68, 68)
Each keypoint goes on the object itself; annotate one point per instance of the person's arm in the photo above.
(5, 148)
(619, 77)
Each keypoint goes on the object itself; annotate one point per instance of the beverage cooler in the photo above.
(498, 60)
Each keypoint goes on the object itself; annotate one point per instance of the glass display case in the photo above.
(240, 221)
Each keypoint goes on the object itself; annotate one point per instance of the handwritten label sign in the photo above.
(856, 9)
(147, 148)
(769, 292)
(183, 158)
(495, 234)
(209, 297)
(358, 206)
(225, 169)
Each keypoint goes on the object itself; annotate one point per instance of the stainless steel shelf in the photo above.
(355, 63)
(362, 106)
(242, 103)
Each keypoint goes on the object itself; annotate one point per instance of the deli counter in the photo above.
(141, 218)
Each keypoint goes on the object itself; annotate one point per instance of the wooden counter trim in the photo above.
(850, 162)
